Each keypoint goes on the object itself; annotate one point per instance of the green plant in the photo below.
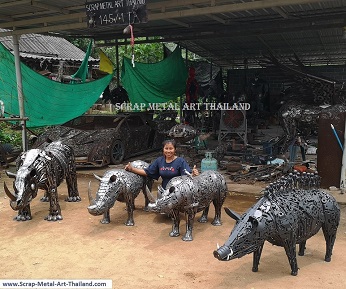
(8, 135)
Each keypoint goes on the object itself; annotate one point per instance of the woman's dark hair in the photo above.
(171, 141)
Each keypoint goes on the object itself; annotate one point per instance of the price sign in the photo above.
(120, 12)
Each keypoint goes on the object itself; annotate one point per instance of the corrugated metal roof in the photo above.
(39, 46)
(225, 31)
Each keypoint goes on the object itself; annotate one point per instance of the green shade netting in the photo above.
(46, 102)
(155, 82)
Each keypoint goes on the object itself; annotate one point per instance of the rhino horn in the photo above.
(150, 195)
(232, 214)
(9, 194)
(97, 177)
(11, 175)
(160, 190)
(91, 199)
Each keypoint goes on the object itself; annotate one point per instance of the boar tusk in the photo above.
(217, 246)
(91, 200)
(150, 195)
(11, 175)
(230, 254)
(97, 177)
(9, 194)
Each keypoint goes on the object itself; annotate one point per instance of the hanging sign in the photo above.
(120, 12)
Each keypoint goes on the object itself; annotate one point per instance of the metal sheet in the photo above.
(329, 153)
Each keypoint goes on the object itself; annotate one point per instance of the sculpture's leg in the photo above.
(204, 217)
(218, 206)
(290, 248)
(106, 218)
(130, 206)
(330, 236)
(71, 181)
(54, 209)
(257, 257)
(190, 217)
(45, 197)
(176, 222)
(302, 247)
(23, 214)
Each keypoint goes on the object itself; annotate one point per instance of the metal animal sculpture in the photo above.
(119, 185)
(43, 169)
(182, 133)
(306, 98)
(303, 118)
(291, 211)
(190, 195)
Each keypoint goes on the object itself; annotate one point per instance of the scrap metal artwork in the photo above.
(119, 185)
(182, 133)
(307, 97)
(99, 140)
(189, 195)
(298, 117)
(292, 210)
(43, 169)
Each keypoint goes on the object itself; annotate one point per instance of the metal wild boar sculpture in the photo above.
(119, 185)
(190, 195)
(43, 169)
(290, 212)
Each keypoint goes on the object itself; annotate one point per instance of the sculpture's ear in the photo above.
(232, 214)
(113, 178)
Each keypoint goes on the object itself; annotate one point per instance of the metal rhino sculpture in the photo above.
(190, 195)
(43, 169)
(119, 185)
(290, 212)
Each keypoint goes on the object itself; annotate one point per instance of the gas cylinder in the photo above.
(208, 163)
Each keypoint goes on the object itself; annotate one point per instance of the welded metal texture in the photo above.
(292, 210)
(119, 185)
(307, 97)
(99, 140)
(296, 117)
(44, 169)
(189, 195)
(182, 133)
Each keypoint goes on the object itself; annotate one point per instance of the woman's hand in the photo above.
(128, 167)
(195, 171)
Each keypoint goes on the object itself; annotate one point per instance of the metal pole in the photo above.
(181, 97)
(117, 60)
(20, 90)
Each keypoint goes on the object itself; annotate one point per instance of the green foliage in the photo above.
(146, 53)
(9, 135)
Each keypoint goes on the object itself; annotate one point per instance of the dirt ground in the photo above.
(144, 256)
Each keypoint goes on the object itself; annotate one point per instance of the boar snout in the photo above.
(223, 253)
